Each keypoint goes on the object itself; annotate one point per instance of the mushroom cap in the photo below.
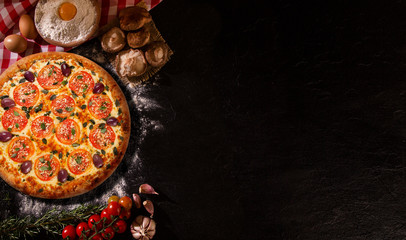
(139, 38)
(113, 40)
(131, 63)
(133, 18)
(157, 54)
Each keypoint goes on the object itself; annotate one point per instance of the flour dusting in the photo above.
(51, 26)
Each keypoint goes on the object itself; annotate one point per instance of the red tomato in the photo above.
(100, 106)
(113, 208)
(107, 215)
(26, 94)
(102, 136)
(125, 214)
(79, 161)
(108, 233)
(69, 231)
(81, 83)
(14, 120)
(82, 227)
(50, 77)
(126, 202)
(68, 132)
(95, 220)
(120, 226)
(20, 149)
(42, 127)
(46, 167)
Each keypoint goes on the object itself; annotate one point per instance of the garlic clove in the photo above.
(145, 223)
(147, 189)
(137, 200)
(149, 206)
(138, 220)
(136, 235)
(151, 229)
(152, 225)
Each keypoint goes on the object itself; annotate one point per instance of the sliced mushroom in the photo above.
(157, 54)
(133, 18)
(131, 63)
(139, 38)
(113, 40)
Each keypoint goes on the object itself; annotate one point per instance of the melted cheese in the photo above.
(79, 115)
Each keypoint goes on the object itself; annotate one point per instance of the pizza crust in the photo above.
(32, 185)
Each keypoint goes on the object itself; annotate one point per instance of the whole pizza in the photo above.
(65, 125)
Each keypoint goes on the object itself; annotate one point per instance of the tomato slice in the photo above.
(102, 136)
(81, 83)
(46, 167)
(14, 120)
(63, 105)
(79, 161)
(26, 94)
(42, 127)
(50, 77)
(20, 149)
(100, 106)
(67, 132)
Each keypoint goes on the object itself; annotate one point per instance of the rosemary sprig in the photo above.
(51, 223)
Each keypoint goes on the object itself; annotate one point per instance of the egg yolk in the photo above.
(67, 11)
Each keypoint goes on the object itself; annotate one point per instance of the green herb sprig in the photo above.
(51, 223)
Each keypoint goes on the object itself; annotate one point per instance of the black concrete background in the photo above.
(286, 121)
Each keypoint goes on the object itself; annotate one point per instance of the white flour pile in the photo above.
(52, 27)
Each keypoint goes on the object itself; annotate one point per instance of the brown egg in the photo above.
(27, 27)
(15, 43)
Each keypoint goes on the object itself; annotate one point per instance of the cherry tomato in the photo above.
(97, 237)
(113, 198)
(113, 208)
(108, 233)
(107, 215)
(95, 219)
(82, 227)
(126, 202)
(125, 214)
(69, 231)
(120, 226)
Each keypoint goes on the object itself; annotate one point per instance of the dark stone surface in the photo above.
(279, 122)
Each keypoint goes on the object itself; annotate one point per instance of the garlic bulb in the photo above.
(143, 228)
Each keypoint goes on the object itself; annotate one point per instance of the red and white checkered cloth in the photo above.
(11, 10)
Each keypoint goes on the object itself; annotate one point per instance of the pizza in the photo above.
(65, 125)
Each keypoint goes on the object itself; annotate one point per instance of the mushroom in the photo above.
(133, 18)
(143, 228)
(131, 63)
(157, 54)
(113, 40)
(139, 38)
